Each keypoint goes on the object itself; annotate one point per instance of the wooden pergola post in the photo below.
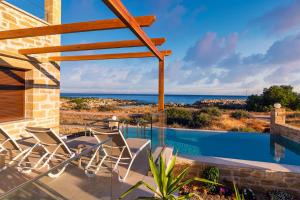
(161, 101)
(161, 85)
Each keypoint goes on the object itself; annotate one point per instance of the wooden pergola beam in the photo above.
(108, 24)
(91, 46)
(120, 10)
(108, 56)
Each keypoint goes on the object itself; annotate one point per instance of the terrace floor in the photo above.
(74, 184)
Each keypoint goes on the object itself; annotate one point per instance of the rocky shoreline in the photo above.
(98, 102)
(222, 103)
(69, 103)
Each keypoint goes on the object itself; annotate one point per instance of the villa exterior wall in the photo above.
(42, 79)
(259, 179)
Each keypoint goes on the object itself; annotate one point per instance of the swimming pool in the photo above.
(245, 146)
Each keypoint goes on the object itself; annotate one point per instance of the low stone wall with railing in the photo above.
(279, 127)
(259, 176)
(287, 131)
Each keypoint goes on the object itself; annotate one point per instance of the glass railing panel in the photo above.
(146, 126)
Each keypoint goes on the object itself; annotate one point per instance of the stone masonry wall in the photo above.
(287, 131)
(42, 96)
(279, 127)
(258, 179)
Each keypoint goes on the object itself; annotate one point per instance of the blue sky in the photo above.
(219, 47)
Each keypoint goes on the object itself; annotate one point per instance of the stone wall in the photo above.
(42, 82)
(287, 131)
(258, 178)
(279, 127)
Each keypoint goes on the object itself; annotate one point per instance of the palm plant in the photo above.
(166, 182)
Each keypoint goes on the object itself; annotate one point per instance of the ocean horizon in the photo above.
(152, 98)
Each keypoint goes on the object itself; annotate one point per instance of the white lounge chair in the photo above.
(8, 143)
(118, 151)
(55, 150)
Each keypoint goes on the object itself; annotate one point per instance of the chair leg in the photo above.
(127, 171)
(100, 164)
(117, 163)
(55, 175)
(25, 156)
(93, 157)
(26, 171)
(40, 160)
(93, 173)
(18, 156)
(131, 162)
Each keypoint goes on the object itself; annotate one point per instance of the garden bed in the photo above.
(256, 180)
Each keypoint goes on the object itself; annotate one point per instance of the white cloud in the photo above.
(281, 19)
(211, 66)
(210, 49)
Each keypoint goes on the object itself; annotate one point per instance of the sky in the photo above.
(232, 47)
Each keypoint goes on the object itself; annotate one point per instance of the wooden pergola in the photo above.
(124, 20)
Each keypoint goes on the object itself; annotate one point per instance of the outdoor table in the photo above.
(112, 123)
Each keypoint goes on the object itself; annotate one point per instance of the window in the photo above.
(12, 94)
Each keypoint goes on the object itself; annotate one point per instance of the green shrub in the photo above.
(78, 100)
(200, 120)
(212, 111)
(148, 118)
(179, 116)
(239, 114)
(282, 94)
(80, 104)
(83, 106)
(106, 108)
(166, 183)
(212, 174)
(192, 119)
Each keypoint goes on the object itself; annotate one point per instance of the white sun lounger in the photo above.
(55, 150)
(8, 143)
(118, 151)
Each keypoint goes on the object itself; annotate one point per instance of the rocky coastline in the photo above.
(222, 103)
(99, 102)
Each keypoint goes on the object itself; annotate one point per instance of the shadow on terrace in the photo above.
(18, 182)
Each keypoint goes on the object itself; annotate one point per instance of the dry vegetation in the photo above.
(227, 122)
(293, 118)
(75, 115)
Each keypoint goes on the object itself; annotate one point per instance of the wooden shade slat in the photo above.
(120, 10)
(12, 92)
(91, 46)
(108, 56)
(73, 27)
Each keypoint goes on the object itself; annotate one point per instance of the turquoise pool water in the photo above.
(246, 146)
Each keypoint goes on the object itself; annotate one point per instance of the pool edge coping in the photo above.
(239, 163)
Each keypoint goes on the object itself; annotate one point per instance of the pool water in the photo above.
(245, 146)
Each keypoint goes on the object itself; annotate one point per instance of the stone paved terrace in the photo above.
(74, 184)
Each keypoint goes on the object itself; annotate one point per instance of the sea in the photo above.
(153, 98)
